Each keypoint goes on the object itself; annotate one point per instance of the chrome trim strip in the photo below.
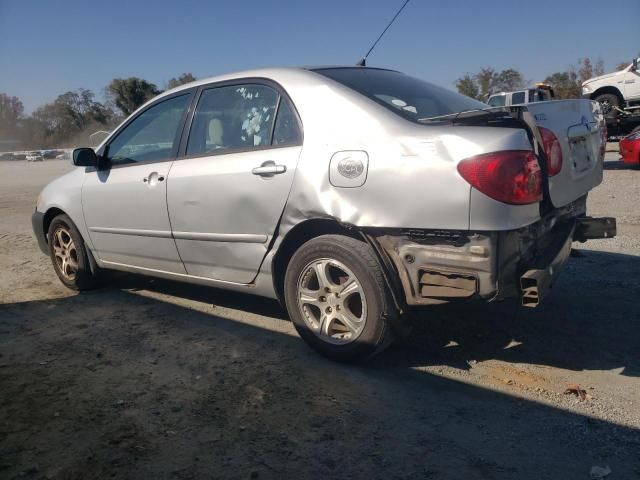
(132, 231)
(221, 237)
(209, 237)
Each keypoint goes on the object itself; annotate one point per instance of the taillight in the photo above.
(511, 176)
(552, 150)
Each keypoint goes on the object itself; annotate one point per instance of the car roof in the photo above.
(265, 72)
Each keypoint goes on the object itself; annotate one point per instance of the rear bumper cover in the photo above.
(443, 266)
(37, 222)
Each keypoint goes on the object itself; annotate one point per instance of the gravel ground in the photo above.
(153, 379)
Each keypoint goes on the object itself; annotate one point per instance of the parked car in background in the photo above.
(34, 157)
(618, 89)
(540, 93)
(350, 194)
(630, 148)
(49, 154)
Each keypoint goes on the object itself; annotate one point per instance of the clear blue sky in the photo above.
(48, 47)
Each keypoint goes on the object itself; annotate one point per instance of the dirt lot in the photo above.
(150, 379)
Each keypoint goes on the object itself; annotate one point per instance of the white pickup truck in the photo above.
(618, 89)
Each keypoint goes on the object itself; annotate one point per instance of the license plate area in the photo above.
(580, 157)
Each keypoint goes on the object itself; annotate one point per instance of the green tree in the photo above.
(587, 69)
(565, 84)
(11, 109)
(181, 80)
(11, 113)
(484, 79)
(73, 115)
(466, 85)
(130, 93)
(507, 81)
(488, 81)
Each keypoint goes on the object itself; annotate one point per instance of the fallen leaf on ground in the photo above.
(579, 392)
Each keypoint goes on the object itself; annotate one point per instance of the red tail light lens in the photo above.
(511, 176)
(553, 151)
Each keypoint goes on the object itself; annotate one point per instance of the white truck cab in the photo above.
(617, 90)
(540, 93)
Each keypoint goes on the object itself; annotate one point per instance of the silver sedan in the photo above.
(350, 194)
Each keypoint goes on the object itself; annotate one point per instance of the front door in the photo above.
(125, 204)
(226, 195)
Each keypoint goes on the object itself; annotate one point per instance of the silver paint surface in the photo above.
(223, 217)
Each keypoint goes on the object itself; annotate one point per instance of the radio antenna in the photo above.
(363, 62)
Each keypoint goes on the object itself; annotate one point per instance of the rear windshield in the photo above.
(409, 97)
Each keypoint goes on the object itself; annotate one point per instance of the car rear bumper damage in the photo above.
(433, 267)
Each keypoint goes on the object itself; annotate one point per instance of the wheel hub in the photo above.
(65, 253)
(332, 301)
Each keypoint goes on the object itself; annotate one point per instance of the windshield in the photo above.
(409, 97)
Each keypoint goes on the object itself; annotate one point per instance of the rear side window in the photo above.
(409, 97)
(152, 135)
(287, 129)
(238, 117)
(517, 98)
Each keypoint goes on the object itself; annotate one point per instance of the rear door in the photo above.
(226, 194)
(578, 125)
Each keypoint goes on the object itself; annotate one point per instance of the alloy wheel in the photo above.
(332, 301)
(65, 253)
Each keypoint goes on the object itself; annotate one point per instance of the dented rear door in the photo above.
(226, 193)
(222, 215)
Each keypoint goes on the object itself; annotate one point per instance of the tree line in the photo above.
(566, 84)
(73, 116)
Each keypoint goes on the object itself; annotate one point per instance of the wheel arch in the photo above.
(296, 237)
(50, 214)
(608, 89)
(53, 212)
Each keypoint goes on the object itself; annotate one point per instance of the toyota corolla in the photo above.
(351, 194)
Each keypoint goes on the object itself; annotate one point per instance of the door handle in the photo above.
(269, 169)
(153, 177)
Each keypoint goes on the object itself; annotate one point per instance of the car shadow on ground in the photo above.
(589, 320)
(619, 165)
(114, 383)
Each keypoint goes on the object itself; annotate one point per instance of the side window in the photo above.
(237, 117)
(497, 101)
(287, 130)
(517, 98)
(151, 135)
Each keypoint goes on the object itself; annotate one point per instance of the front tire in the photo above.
(607, 102)
(337, 298)
(69, 254)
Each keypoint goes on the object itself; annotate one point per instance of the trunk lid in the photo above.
(579, 127)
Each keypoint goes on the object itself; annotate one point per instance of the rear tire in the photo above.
(337, 298)
(607, 102)
(69, 255)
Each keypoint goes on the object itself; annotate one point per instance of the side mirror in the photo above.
(85, 157)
